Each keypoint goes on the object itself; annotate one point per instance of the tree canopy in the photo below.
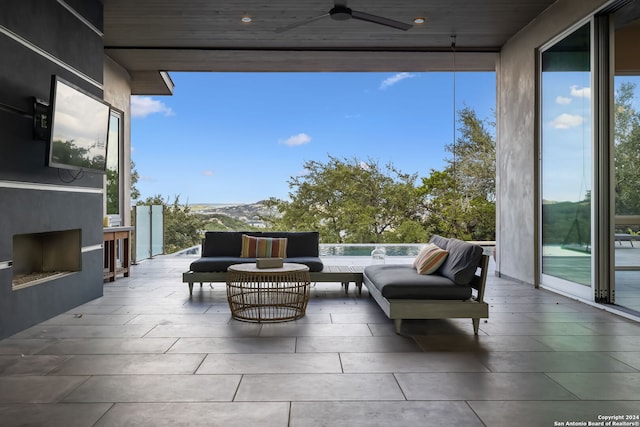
(355, 201)
(352, 201)
(460, 199)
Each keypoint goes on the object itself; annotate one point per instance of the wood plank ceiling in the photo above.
(150, 36)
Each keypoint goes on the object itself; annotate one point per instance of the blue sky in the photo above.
(239, 137)
(567, 136)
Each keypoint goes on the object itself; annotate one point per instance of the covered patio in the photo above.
(147, 354)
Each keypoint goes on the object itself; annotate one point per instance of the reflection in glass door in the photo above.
(627, 158)
(566, 164)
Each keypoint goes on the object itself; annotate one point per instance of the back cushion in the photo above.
(462, 262)
(299, 243)
(263, 247)
(442, 242)
(222, 243)
(229, 243)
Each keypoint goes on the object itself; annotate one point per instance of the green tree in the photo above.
(351, 201)
(627, 151)
(135, 177)
(460, 199)
(182, 228)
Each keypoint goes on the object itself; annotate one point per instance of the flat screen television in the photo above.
(79, 128)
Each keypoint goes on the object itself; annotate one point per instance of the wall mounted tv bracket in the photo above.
(40, 119)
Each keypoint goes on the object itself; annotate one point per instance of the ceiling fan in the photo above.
(340, 12)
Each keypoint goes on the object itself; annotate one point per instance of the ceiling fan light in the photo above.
(419, 20)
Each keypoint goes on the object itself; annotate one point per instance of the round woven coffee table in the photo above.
(268, 294)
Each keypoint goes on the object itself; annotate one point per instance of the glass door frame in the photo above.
(556, 284)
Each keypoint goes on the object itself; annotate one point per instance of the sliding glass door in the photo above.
(566, 146)
(626, 155)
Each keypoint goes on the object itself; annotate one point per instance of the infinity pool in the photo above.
(335, 249)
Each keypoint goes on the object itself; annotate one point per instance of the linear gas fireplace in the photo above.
(40, 257)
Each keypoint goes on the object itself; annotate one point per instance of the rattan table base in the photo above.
(268, 294)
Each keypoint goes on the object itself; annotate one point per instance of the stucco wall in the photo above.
(117, 92)
(517, 175)
(39, 39)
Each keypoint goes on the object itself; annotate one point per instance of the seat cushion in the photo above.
(221, 263)
(402, 281)
(217, 264)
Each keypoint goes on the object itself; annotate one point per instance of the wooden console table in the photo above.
(113, 236)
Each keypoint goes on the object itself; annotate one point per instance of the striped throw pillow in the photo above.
(263, 247)
(430, 258)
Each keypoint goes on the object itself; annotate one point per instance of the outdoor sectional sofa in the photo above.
(455, 290)
(220, 249)
(402, 293)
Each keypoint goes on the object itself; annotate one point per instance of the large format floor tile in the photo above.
(37, 389)
(310, 387)
(382, 414)
(148, 354)
(235, 329)
(550, 413)
(109, 346)
(235, 345)
(547, 361)
(272, 363)
(601, 386)
(231, 414)
(411, 362)
(67, 415)
(156, 388)
(481, 386)
(370, 344)
(132, 364)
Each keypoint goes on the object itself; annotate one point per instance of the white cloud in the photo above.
(566, 121)
(299, 139)
(208, 173)
(390, 81)
(142, 106)
(563, 100)
(583, 92)
(147, 178)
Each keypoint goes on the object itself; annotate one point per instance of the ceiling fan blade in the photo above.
(380, 20)
(300, 23)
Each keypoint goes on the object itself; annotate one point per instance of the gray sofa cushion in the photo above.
(402, 281)
(442, 242)
(299, 243)
(462, 262)
(222, 243)
(220, 249)
(229, 243)
(221, 263)
(216, 264)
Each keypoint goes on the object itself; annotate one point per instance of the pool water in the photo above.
(334, 249)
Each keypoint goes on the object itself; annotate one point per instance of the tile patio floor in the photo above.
(146, 354)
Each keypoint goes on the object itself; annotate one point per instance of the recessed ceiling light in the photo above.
(419, 20)
(246, 19)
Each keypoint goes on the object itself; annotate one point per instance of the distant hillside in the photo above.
(230, 216)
